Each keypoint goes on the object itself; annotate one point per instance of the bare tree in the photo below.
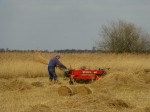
(121, 37)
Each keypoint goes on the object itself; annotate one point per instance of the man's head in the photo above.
(57, 56)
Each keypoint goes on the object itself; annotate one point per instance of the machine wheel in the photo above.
(71, 82)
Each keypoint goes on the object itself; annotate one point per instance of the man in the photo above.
(54, 62)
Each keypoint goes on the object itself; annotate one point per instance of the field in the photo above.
(24, 84)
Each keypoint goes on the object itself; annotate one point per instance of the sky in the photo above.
(64, 24)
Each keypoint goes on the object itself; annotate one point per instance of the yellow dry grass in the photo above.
(24, 85)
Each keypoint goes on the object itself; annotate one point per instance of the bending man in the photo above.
(54, 62)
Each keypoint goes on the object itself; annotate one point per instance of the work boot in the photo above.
(57, 82)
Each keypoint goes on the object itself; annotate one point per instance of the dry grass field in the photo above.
(24, 85)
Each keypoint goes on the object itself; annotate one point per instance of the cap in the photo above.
(58, 55)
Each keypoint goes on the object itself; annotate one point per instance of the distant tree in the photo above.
(121, 37)
(2, 50)
(93, 48)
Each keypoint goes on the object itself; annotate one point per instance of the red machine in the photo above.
(86, 76)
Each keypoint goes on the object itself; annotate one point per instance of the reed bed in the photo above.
(35, 64)
(24, 85)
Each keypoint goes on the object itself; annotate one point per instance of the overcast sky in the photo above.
(64, 24)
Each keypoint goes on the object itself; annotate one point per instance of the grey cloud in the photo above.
(62, 24)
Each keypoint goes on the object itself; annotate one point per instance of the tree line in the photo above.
(16, 50)
(55, 51)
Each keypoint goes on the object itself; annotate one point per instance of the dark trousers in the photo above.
(52, 74)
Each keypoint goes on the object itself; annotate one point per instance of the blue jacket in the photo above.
(55, 62)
